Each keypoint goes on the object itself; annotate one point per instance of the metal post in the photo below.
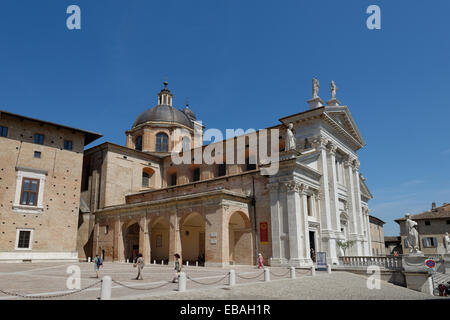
(292, 272)
(182, 282)
(105, 293)
(89, 259)
(313, 271)
(232, 280)
(266, 274)
(328, 269)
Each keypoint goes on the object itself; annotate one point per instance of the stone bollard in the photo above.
(266, 274)
(328, 269)
(105, 293)
(127, 260)
(162, 262)
(196, 263)
(313, 271)
(89, 259)
(232, 280)
(292, 272)
(187, 263)
(154, 261)
(182, 282)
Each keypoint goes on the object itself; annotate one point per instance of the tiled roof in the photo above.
(439, 213)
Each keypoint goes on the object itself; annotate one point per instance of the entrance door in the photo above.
(312, 245)
(201, 247)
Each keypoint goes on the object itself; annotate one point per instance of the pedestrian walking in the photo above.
(98, 262)
(177, 267)
(140, 265)
(260, 261)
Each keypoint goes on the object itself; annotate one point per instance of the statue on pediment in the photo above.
(333, 89)
(315, 88)
(412, 236)
(447, 243)
(290, 138)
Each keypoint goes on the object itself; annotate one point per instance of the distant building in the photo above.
(432, 226)
(377, 235)
(40, 179)
(393, 244)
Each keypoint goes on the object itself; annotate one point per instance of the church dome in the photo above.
(165, 112)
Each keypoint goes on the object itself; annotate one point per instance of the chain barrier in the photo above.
(280, 275)
(207, 284)
(250, 278)
(136, 288)
(48, 296)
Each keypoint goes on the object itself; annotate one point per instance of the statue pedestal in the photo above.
(333, 102)
(446, 261)
(315, 103)
(416, 273)
(289, 154)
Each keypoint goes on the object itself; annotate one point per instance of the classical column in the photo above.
(305, 232)
(297, 220)
(275, 223)
(358, 206)
(327, 236)
(356, 250)
(335, 214)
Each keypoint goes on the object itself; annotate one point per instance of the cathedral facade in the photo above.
(137, 199)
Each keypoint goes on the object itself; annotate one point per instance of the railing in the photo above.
(387, 262)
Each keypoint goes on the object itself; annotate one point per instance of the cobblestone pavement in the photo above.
(43, 279)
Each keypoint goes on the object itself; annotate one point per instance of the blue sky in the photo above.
(245, 64)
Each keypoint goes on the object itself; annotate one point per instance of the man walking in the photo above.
(98, 262)
(140, 265)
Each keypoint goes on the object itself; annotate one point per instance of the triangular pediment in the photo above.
(340, 116)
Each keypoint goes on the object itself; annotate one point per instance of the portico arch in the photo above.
(240, 239)
(193, 238)
(159, 239)
(131, 240)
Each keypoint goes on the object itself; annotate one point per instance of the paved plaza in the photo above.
(48, 281)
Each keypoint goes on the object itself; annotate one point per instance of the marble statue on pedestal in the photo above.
(333, 89)
(447, 243)
(412, 235)
(290, 138)
(315, 88)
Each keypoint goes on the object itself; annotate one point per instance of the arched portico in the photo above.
(159, 239)
(192, 232)
(240, 239)
(131, 240)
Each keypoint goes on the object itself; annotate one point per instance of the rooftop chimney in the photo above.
(433, 206)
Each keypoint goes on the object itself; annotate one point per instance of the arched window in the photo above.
(186, 144)
(138, 143)
(162, 142)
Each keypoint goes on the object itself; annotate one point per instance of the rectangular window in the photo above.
(3, 131)
(308, 204)
(37, 154)
(39, 138)
(24, 239)
(196, 174)
(222, 170)
(173, 179)
(429, 242)
(67, 145)
(30, 191)
(427, 223)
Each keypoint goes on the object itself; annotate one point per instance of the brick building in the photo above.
(40, 179)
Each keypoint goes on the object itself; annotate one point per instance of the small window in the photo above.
(448, 221)
(427, 223)
(39, 138)
(67, 145)
(3, 131)
(24, 239)
(173, 179)
(196, 174)
(222, 170)
(145, 179)
(429, 242)
(37, 154)
(138, 143)
(250, 166)
(162, 142)
(30, 191)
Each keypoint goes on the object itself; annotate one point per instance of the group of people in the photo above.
(139, 264)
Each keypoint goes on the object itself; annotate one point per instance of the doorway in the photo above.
(312, 245)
